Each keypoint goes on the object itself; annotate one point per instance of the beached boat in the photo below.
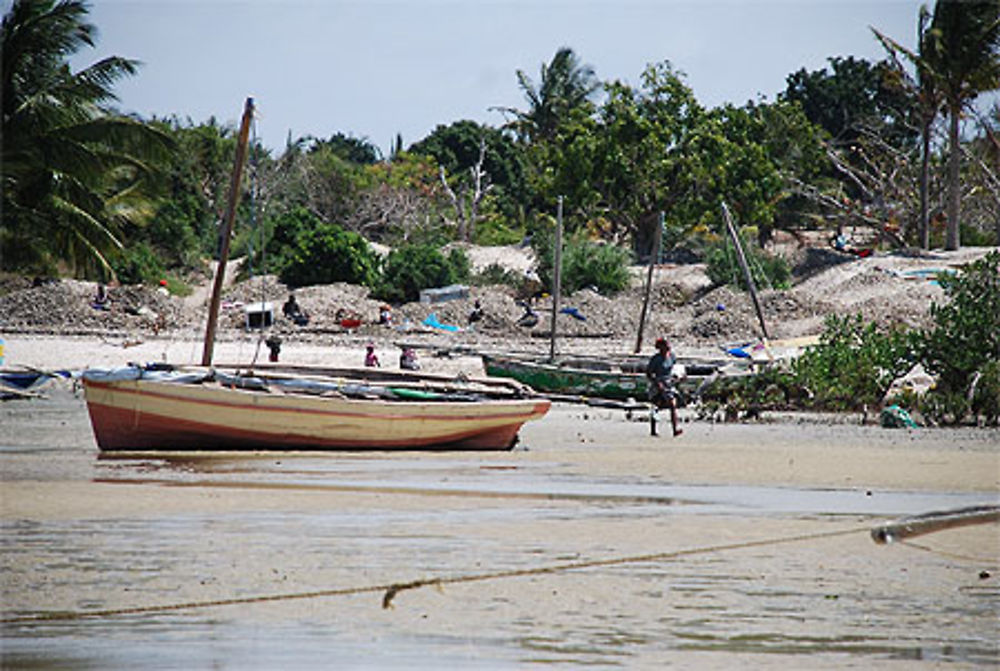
(206, 409)
(589, 377)
(264, 407)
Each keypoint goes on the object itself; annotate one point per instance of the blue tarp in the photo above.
(433, 322)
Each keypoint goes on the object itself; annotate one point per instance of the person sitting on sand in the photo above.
(371, 359)
(292, 311)
(476, 314)
(385, 315)
(530, 318)
(408, 359)
(101, 300)
(662, 389)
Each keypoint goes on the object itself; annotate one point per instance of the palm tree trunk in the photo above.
(952, 240)
(925, 169)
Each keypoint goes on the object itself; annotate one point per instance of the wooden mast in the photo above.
(227, 232)
(741, 257)
(653, 258)
(556, 279)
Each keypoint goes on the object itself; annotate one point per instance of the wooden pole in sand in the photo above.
(741, 257)
(654, 257)
(556, 278)
(227, 233)
(917, 525)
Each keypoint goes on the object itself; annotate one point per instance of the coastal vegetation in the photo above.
(95, 193)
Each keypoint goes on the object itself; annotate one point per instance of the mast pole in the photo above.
(227, 232)
(741, 257)
(653, 258)
(556, 278)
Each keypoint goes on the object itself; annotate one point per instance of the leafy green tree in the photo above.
(352, 149)
(73, 172)
(327, 253)
(411, 268)
(653, 149)
(964, 55)
(853, 94)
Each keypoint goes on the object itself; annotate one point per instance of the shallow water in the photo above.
(309, 523)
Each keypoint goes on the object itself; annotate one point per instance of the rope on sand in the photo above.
(392, 589)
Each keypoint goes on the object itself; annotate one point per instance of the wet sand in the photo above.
(590, 544)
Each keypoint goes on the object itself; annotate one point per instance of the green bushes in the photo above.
(771, 389)
(411, 268)
(767, 270)
(138, 265)
(584, 264)
(855, 364)
(963, 348)
(327, 253)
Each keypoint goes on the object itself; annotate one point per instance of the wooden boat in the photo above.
(620, 379)
(206, 409)
(161, 407)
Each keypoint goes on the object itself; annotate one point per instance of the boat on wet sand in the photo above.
(166, 408)
(162, 407)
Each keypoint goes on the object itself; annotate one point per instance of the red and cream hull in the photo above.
(157, 415)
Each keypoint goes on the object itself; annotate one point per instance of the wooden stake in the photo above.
(741, 257)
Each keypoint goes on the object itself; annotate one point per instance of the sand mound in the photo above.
(886, 289)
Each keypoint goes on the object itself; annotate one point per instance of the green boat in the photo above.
(588, 377)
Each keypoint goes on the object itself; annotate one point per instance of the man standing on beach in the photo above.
(662, 391)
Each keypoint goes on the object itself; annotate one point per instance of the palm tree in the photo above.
(928, 95)
(72, 172)
(964, 53)
(565, 85)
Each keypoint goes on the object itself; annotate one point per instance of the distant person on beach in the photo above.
(662, 386)
(371, 359)
(530, 318)
(476, 314)
(385, 315)
(292, 311)
(101, 300)
(408, 359)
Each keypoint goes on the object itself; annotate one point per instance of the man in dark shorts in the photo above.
(662, 389)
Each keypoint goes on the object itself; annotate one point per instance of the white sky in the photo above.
(374, 68)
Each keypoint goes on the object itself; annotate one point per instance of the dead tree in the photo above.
(467, 205)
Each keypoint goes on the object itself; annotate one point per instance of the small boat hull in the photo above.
(145, 414)
(553, 378)
(591, 378)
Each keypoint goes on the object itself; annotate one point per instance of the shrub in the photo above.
(497, 274)
(328, 253)
(584, 264)
(965, 341)
(767, 270)
(855, 363)
(411, 268)
(138, 264)
(771, 389)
